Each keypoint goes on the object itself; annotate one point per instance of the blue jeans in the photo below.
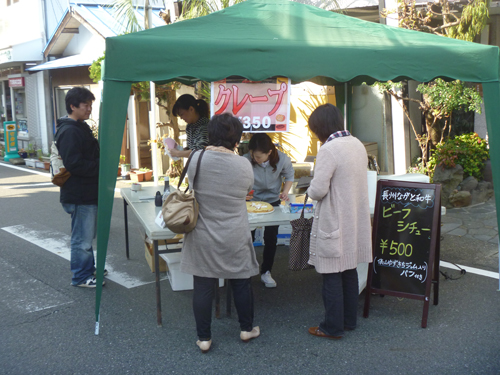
(83, 231)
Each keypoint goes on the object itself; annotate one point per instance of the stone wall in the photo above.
(459, 192)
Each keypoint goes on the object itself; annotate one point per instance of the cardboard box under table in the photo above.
(178, 279)
(173, 243)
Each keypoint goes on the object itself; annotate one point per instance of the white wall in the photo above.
(416, 117)
(368, 120)
(54, 11)
(85, 42)
(20, 22)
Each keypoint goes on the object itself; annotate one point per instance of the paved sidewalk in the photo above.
(470, 236)
(477, 222)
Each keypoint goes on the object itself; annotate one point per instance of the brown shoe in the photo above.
(315, 331)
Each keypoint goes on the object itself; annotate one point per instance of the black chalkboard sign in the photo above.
(406, 230)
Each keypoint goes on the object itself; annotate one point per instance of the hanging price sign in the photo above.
(262, 106)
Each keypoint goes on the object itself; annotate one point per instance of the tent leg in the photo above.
(157, 280)
(125, 204)
(228, 298)
(491, 94)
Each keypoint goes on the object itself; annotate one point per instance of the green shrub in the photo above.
(95, 69)
(468, 150)
(418, 166)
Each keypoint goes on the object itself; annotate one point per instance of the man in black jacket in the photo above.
(79, 151)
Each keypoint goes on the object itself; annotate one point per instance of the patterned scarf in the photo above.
(220, 149)
(341, 133)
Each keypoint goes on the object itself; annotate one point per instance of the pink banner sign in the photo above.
(262, 106)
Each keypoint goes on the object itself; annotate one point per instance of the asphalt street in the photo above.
(47, 326)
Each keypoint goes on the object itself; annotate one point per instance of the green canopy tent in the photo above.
(258, 39)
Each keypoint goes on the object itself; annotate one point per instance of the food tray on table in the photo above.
(259, 208)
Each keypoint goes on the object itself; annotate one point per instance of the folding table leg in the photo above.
(125, 204)
(228, 298)
(157, 280)
(217, 299)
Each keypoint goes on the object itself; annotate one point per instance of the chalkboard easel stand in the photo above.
(393, 286)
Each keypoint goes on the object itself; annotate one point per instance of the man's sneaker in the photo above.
(105, 272)
(268, 280)
(90, 283)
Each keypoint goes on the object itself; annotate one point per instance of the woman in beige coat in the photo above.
(220, 246)
(341, 233)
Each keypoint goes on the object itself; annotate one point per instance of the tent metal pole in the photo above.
(152, 131)
(491, 96)
(345, 105)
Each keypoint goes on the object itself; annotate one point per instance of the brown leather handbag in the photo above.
(180, 210)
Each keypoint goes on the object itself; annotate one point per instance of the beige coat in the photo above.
(220, 245)
(341, 232)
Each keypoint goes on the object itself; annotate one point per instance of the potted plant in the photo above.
(23, 154)
(137, 176)
(125, 167)
(30, 162)
(31, 150)
(43, 162)
(148, 173)
(45, 157)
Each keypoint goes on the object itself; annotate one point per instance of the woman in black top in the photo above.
(195, 113)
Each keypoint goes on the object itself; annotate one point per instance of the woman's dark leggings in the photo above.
(204, 289)
(270, 240)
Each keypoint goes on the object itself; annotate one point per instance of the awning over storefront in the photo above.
(65, 62)
(23, 52)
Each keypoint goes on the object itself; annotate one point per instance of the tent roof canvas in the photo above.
(258, 39)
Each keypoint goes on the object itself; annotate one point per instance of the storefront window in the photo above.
(60, 94)
(5, 103)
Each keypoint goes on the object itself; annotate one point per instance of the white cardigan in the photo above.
(341, 231)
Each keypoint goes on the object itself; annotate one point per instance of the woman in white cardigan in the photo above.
(341, 231)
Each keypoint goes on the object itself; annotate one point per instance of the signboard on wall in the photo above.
(262, 106)
(16, 82)
(5, 55)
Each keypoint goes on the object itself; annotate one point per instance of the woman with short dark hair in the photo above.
(220, 246)
(341, 231)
